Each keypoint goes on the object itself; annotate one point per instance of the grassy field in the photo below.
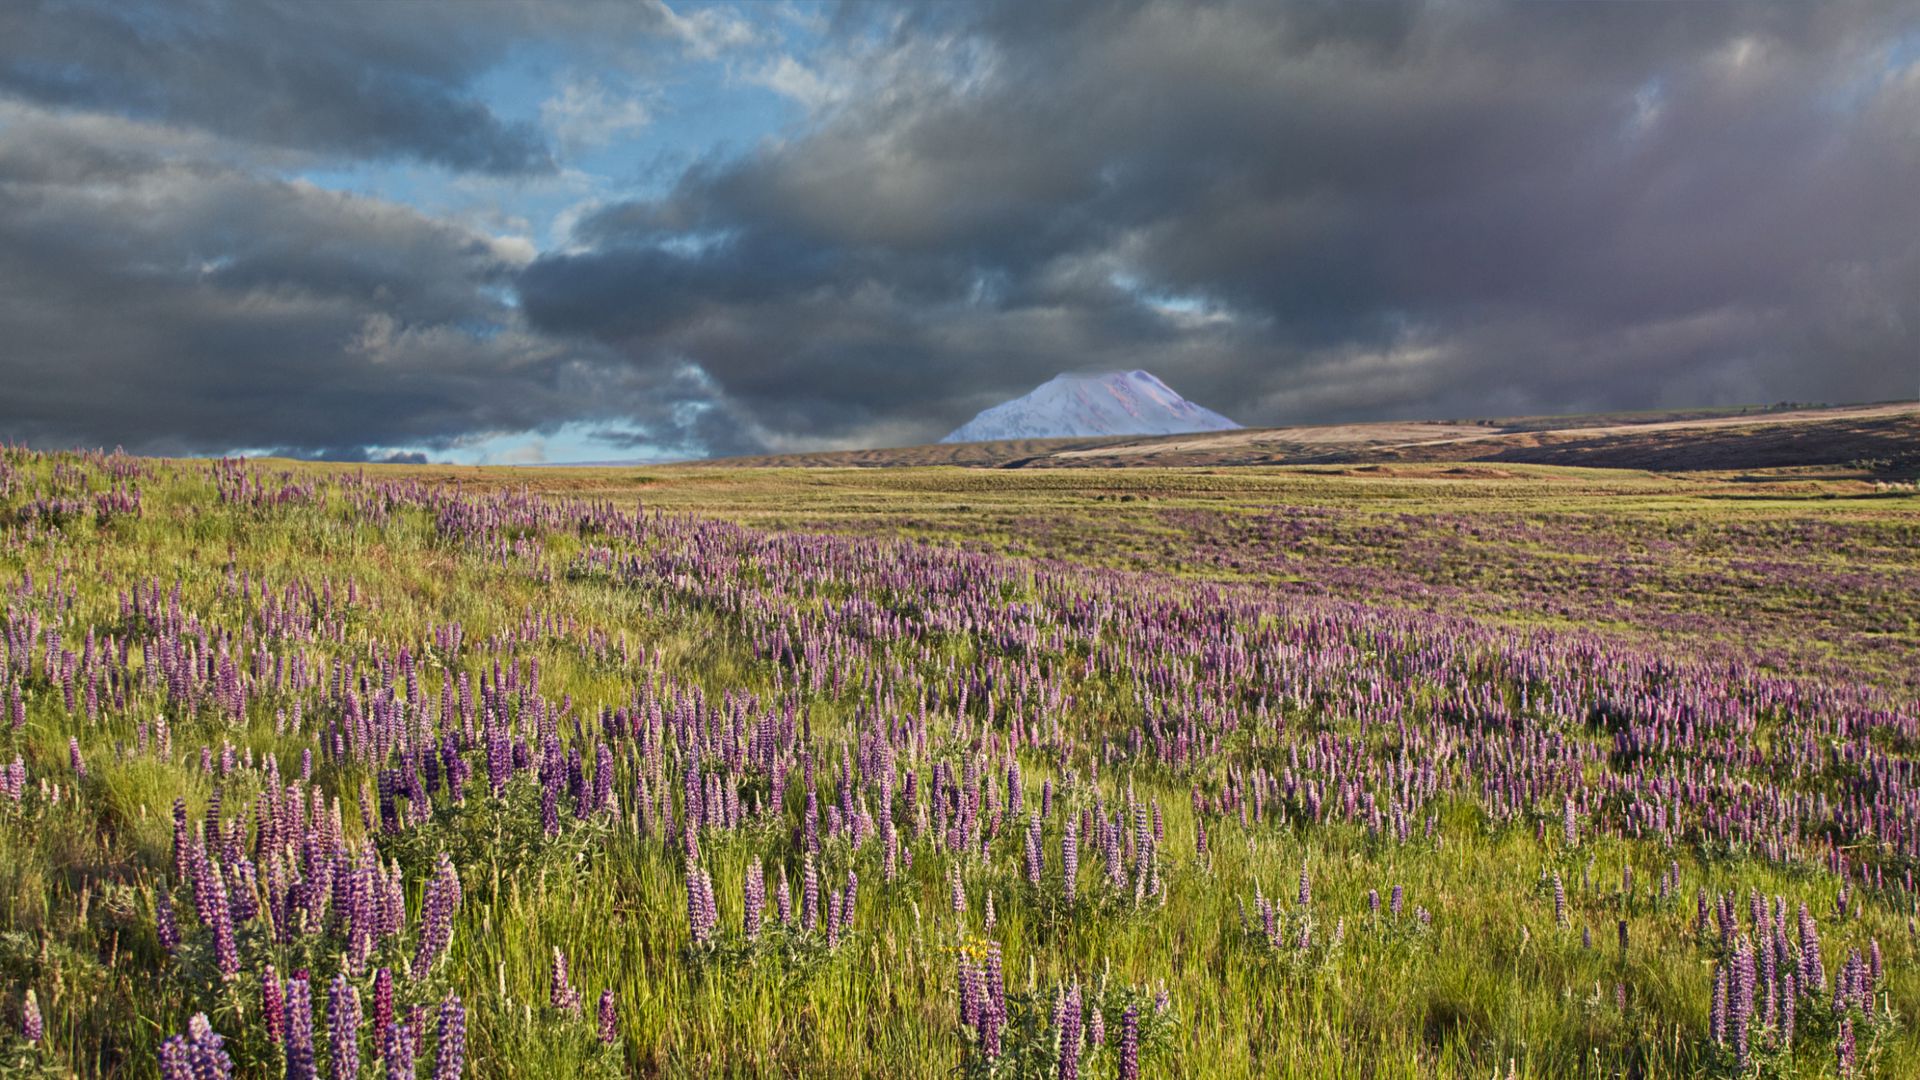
(1437, 770)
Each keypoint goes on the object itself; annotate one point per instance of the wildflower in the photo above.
(1130, 1044)
(343, 1028)
(449, 1058)
(609, 1017)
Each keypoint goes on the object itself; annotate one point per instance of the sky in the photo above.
(511, 232)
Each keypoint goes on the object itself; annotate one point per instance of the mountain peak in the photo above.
(1086, 405)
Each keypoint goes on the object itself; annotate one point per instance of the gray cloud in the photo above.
(1290, 212)
(181, 305)
(355, 81)
(1322, 212)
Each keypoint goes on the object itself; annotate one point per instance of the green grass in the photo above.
(1493, 981)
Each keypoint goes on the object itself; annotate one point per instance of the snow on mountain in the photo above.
(1114, 403)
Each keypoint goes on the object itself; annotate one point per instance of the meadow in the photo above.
(1425, 771)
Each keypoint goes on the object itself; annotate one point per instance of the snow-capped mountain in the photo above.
(1114, 403)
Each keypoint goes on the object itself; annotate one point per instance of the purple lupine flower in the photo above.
(1559, 901)
(1843, 1048)
(754, 891)
(450, 1056)
(397, 1051)
(1789, 994)
(809, 893)
(996, 983)
(436, 916)
(1740, 1003)
(273, 1005)
(1033, 850)
(1130, 1044)
(1717, 1014)
(175, 1060)
(1096, 1027)
(226, 949)
(560, 992)
(299, 1029)
(968, 991)
(702, 916)
(609, 1017)
(343, 1029)
(1070, 857)
(1306, 886)
(32, 1025)
(165, 926)
(206, 1051)
(382, 1005)
(1070, 1035)
(1397, 900)
(1813, 972)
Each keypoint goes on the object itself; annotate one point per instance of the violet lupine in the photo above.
(343, 1029)
(1070, 1035)
(206, 1051)
(702, 913)
(560, 992)
(996, 991)
(754, 891)
(166, 927)
(226, 949)
(1033, 850)
(450, 1056)
(1788, 1007)
(273, 1005)
(1070, 858)
(609, 1017)
(1306, 887)
(436, 916)
(1813, 972)
(299, 1046)
(32, 1025)
(397, 1052)
(382, 1005)
(1740, 1003)
(1130, 1044)
(809, 894)
(175, 1062)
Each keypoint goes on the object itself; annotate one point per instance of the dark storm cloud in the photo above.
(356, 80)
(1290, 212)
(1297, 212)
(175, 305)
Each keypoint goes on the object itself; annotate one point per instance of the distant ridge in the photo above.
(1091, 406)
(1879, 438)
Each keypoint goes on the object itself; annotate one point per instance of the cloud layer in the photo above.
(1289, 213)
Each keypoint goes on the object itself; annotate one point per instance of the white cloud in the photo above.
(585, 114)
